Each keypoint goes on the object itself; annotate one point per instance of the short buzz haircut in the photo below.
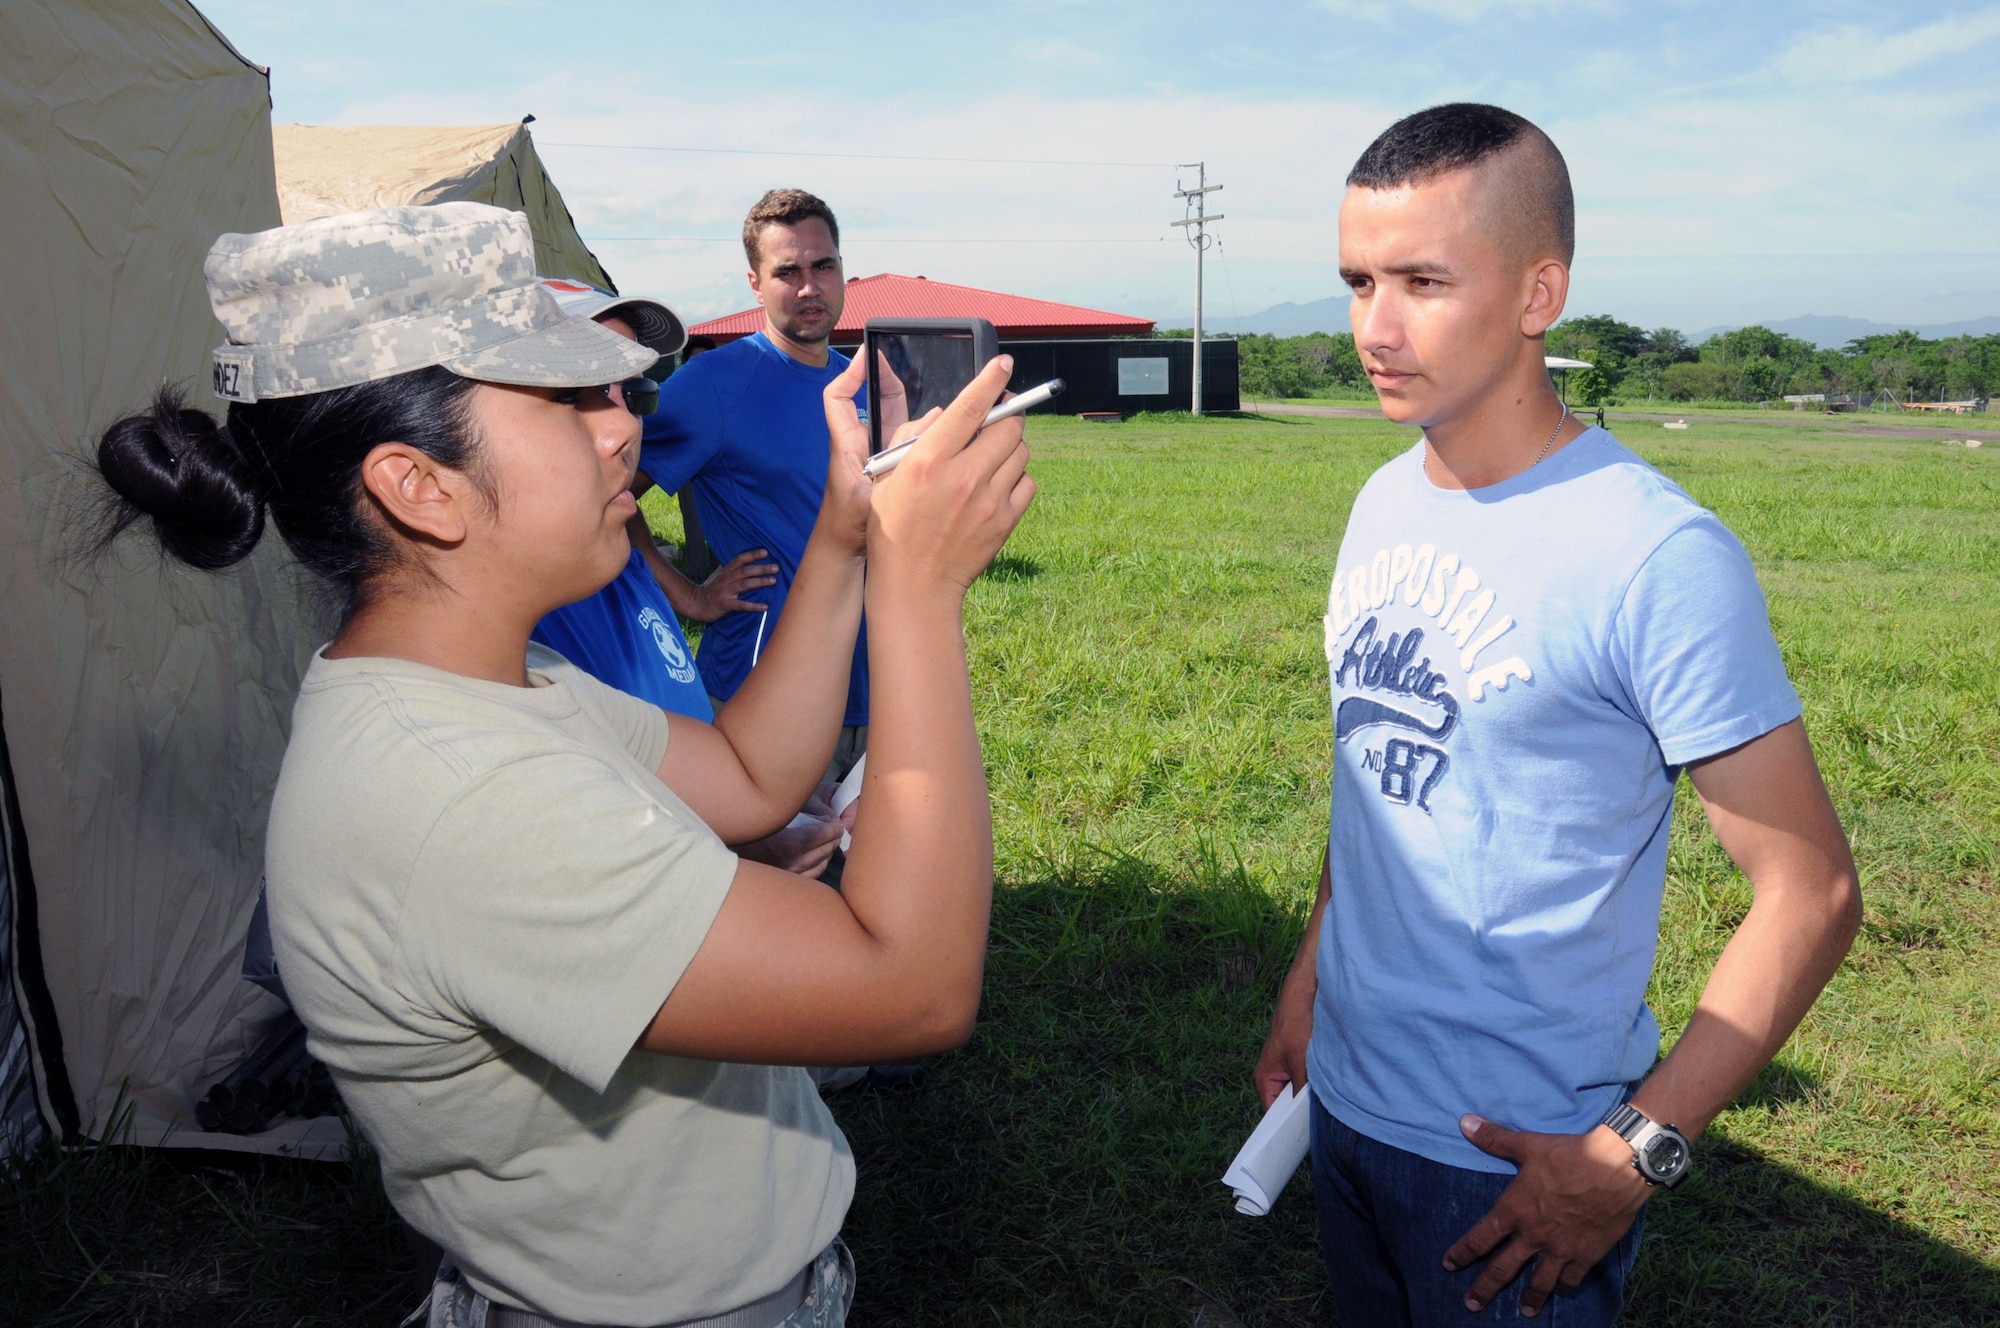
(784, 207)
(1460, 135)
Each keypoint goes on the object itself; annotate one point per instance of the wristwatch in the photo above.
(1660, 1153)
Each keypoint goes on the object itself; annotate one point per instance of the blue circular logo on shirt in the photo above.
(678, 666)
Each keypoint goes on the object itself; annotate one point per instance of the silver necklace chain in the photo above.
(1561, 420)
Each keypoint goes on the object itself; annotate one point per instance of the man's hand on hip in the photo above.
(724, 590)
(1575, 1198)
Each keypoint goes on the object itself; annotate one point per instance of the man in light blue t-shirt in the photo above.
(1530, 634)
(743, 430)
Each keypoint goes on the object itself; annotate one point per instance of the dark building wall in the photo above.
(1092, 371)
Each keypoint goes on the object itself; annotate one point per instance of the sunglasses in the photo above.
(641, 396)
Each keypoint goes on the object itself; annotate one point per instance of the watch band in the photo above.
(1626, 1120)
(1641, 1132)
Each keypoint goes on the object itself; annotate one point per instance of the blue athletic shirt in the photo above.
(743, 429)
(1518, 674)
(627, 635)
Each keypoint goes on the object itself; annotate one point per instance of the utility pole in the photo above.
(1198, 238)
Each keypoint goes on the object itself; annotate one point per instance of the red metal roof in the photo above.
(892, 296)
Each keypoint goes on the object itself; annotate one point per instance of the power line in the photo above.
(874, 239)
(1222, 252)
(857, 156)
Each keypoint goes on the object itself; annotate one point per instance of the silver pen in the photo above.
(887, 459)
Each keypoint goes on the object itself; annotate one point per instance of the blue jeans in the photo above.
(1386, 1217)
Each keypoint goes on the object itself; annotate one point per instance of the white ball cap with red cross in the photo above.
(659, 328)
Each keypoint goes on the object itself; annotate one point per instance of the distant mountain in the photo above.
(1832, 331)
(1280, 320)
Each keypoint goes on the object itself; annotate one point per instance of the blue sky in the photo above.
(1733, 162)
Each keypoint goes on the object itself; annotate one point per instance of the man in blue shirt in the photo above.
(743, 430)
(1531, 633)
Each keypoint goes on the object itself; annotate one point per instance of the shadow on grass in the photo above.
(1012, 567)
(1062, 1167)
(1209, 418)
(1293, 421)
(1059, 1169)
(1779, 1084)
(1748, 1241)
(147, 1239)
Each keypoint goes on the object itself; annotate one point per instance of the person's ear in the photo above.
(1547, 294)
(418, 493)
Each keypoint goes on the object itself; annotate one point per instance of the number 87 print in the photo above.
(1401, 760)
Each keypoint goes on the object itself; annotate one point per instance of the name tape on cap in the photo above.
(233, 373)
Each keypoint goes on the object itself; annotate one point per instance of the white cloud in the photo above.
(1086, 234)
(1863, 172)
(1858, 54)
(1677, 185)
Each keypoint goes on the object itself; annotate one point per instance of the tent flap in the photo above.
(29, 1093)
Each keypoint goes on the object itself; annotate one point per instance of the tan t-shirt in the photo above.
(480, 896)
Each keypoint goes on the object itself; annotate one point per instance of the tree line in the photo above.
(1633, 364)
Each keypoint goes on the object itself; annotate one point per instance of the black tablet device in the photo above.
(933, 359)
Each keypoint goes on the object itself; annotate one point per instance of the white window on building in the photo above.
(1142, 377)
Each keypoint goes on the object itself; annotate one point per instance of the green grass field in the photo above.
(1152, 691)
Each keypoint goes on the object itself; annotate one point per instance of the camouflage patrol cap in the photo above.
(367, 295)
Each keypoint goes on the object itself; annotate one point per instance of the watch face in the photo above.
(1665, 1155)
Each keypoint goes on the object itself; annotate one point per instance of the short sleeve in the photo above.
(640, 727)
(1693, 648)
(558, 902)
(684, 432)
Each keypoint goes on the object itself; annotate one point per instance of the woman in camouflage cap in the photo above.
(561, 1010)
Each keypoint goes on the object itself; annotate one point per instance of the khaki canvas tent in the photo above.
(144, 708)
(326, 169)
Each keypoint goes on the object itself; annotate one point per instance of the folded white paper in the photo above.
(849, 790)
(1271, 1154)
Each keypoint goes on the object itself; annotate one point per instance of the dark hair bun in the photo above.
(176, 465)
